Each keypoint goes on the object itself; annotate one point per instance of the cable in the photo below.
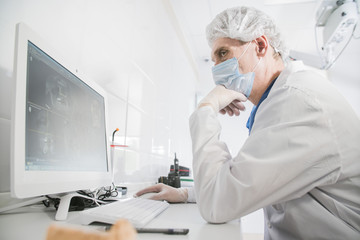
(84, 199)
(51, 200)
(90, 200)
(111, 192)
(113, 135)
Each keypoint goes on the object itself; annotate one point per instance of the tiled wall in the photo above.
(132, 49)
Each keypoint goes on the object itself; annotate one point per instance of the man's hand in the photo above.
(165, 192)
(224, 101)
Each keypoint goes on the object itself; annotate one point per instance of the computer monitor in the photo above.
(59, 141)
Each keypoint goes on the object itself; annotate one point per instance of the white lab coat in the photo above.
(301, 162)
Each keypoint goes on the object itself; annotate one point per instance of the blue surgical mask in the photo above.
(227, 73)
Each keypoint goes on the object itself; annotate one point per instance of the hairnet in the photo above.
(245, 24)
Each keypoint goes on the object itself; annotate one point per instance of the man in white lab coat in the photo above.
(301, 161)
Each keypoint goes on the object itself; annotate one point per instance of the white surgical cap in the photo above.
(245, 24)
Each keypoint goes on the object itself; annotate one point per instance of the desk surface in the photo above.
(32, 223)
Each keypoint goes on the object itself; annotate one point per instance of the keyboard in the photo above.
(138, 211)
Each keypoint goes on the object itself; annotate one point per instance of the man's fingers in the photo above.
(239, 96)
(157, 197)
(239, 105)
(155, 188)
(221, 99)
(234, 109)
(228, 110)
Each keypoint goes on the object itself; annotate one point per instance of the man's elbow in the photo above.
(215, 216)
(221, 211)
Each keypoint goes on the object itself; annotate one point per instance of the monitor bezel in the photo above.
(32, 183)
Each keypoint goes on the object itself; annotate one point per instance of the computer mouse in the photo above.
(148, 195)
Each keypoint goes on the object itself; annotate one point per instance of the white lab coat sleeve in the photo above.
(191, 195)
(289, 152)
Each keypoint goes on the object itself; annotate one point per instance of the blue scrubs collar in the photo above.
(251, 119)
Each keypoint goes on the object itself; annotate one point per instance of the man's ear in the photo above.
(262, 45)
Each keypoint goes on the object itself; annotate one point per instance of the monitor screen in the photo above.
(59, 141)
(65, 119)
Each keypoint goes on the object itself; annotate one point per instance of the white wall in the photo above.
(131, 48)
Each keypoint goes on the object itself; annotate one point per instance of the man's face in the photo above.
(226, 48)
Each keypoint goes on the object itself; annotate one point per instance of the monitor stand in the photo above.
(14, 203)
(63, 209)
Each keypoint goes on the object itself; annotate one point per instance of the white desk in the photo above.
(32, 223)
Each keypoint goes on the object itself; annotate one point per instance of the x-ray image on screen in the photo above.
(65, 123)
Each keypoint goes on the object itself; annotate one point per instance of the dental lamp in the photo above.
(338, 21)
